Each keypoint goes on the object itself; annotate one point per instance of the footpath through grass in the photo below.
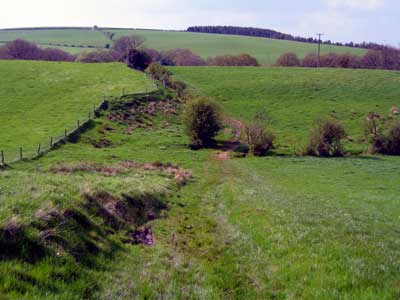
(253, 228)
(39, 100)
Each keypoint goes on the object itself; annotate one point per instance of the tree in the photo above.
(138, 60)
(125, 44)
(202, 118)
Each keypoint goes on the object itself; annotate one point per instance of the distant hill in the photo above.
(79, 39)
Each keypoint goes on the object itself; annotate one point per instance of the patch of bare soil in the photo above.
(225, 152)
(144, 236)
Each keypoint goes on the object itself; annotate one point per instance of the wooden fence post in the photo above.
(78, 124)
(38, 150)
(51, 141)
(2, 157)
(89, 115)
(20, 153)
(65, 133)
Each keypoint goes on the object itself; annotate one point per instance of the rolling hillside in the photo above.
(293, 98)
(39, 100)
(206, 45)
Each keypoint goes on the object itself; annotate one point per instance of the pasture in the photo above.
(278, 227)
(206, 45)
(292, 99)
(39, 100)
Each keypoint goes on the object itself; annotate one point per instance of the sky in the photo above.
(339, 20)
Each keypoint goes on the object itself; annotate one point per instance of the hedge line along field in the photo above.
(39, 100)
(293, 98)
(266, 51)
(249, 228)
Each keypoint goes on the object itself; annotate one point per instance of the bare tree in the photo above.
(125, 44)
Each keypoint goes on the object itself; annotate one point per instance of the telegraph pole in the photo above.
(319, 48)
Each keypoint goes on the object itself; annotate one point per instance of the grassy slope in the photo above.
(57, 36)
(40, 99)
(206, 45)
(254, 228)
(294, 98)
(266, 51)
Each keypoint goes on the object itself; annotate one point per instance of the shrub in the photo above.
(233, 60)
(24, 50)
(158, 72)
(202, 118)
(383, 137)
(259, 139)
(100, 56)
(138, 60)
(288, 60)
(125, 44)
(393, 139)
(326, 139)
(181, 57)
(4, 54)
(154, 54)
(50, 54)
(178, 86)
(310, 61)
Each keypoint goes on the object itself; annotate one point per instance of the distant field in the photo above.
(57, 36)
(294, 97)
(205, 45)
(41, 99)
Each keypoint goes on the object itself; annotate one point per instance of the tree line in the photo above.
(272, 34)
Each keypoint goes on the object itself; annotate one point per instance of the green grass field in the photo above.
(40, 100)
(294, 98)
(57, 36)
(265, 50)
(278, 227)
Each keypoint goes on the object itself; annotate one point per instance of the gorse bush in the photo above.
(202, 118)
(326, 139)
(259, 139)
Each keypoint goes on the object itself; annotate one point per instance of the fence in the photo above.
(8, 157)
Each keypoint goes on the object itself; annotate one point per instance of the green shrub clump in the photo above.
(259, 139)
(326, 139)
(383, 134)
(203, 121)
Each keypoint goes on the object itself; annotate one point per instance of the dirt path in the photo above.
(230, 146)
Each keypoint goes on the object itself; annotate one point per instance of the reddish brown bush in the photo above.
(181, 57)
(50, 54)
(288, 60)
(154, 54)
(240, 60)
(310, 61)
(259, 139)
(125, 44)
(24, 50)
(100, 56)
(4, 54)
(371, 60)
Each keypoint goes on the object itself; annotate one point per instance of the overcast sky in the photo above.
(340, 20)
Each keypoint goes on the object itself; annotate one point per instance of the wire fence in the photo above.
(8, 157)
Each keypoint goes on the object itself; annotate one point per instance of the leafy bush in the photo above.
(383, 137)
(240, 60)
(138, 60)
(310, 61)
(259, 139)
(326, 139)
(202, 118)
(158, 72)
(288, 60)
